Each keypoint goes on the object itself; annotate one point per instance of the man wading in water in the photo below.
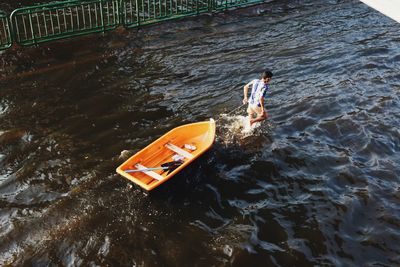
(259, 89)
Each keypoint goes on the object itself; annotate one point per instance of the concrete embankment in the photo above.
(390, 8)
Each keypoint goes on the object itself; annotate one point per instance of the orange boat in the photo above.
(174, 150)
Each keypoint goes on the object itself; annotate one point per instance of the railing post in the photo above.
(31, 24)
(138, 11)
(101, 16)
(210, 5)
(119, 12)
(5, 28)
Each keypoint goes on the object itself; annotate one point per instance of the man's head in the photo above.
(266, 76)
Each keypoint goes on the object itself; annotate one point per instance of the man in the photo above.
(259, 89)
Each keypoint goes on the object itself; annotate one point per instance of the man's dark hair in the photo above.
(267, 74)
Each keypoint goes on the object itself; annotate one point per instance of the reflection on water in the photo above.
(317, 184)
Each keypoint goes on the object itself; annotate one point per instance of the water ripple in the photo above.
(316, 185)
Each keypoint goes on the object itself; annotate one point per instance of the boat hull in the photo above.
(186, 142)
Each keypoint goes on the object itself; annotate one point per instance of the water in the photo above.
(318, 184)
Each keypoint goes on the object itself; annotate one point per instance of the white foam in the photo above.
(233, 129)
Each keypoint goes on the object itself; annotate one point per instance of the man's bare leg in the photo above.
(261, 117)
(250, 117)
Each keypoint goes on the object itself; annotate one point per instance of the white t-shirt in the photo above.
(258, 90)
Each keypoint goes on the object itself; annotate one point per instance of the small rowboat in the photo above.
(182, 144)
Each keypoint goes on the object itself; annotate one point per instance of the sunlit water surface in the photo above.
(316, 185)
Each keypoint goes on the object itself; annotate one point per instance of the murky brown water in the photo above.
(318, 185)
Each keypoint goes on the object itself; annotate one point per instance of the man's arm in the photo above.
(246, 91)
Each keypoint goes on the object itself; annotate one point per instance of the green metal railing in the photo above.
(219, 5)
(48, 22)
(142, 12)
(5, 32)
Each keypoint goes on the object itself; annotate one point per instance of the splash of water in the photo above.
(236, 129)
